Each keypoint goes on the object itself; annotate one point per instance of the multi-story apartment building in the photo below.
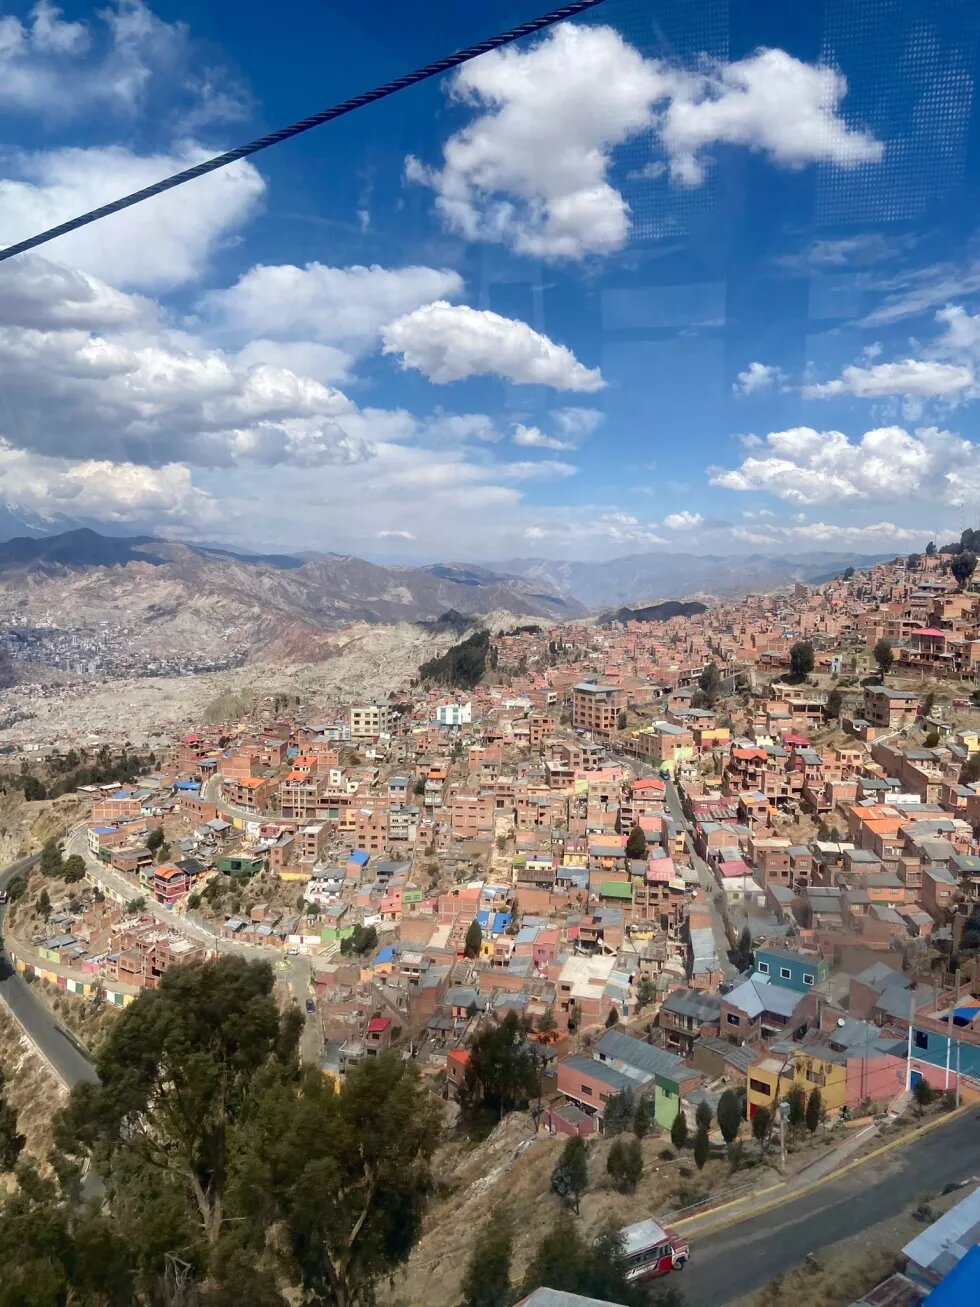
(369, 720)
(595, 708)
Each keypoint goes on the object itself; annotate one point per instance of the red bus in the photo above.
(651, 1250)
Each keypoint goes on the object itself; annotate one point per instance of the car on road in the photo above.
(311, 1005)
(292, 953)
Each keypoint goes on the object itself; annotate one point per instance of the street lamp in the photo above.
(783, 1110)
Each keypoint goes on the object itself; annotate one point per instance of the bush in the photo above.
(666, 1155)
(625, 1165)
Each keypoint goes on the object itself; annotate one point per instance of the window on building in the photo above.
(785, 973)
(807, 978)
(921, 1039)
(760, 1087)
(587, 1091)
(733, 1018)
(762, 968)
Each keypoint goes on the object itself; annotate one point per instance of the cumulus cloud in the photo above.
(531, 170)
(450, 343)
(829, 533)
(164, 242)
(58, 69)
(108, 491)
(35, 292)
(919, 377)
(888, 464)
(613, 528)
(534, 438)
(683, 521)
(756, 377)
(158, 397)
(576, 424)
(340, 306)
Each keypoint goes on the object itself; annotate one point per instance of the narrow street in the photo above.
(706, 880)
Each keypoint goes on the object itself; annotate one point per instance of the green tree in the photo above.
(486, 1282)
(364, 940)
(570, 1178)
(136, 905)
(744, 955)
(962, 567)
(930, 548)
(42, 905)
(678, 1130)
(33, 789)
(343, 1175)
(621, 720)
(502, 1072)
(814, 1110)
(16, 888)
(619, 1112)
(835, 701)
(547, 1022)
(703, 1115)
(11, 1141)
(796, 1100)
(474, 940)
(642, 1119)
(51, 862)
(931, 740)
(924, 1094)
(709, 683)
(625, 1164)
(569, 1263)
(847, 573)
(884, 656)
(702, 1147)
(612, 1017)
(636, 843)
(73, 869)
(928, 704)
(760, 1127)
(154, 839)
(970, 771)
(729, 1115)
(801, 660)
(646, 992)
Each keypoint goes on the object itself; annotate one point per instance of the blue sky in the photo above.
(695, 277)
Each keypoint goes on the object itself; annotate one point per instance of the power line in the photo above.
(305, 125)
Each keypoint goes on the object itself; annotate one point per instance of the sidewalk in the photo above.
(837, 1161)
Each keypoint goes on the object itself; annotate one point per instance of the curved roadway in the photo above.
(42, 1026)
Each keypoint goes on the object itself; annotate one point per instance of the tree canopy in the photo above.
(963, 566)
(709, 683)
(636, 843)
(474, 940)
(801, 659)
(502, 1072)
(217, 1148)
(884, 656)
(570, 1177)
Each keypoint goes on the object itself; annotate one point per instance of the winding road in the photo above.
(71, 1064)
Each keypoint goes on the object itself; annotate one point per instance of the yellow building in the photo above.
(772, 1077)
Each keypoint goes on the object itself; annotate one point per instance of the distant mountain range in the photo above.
(196, 596)
(653, 612)
(641, 578)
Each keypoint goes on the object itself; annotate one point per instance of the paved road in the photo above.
(41, 1025)
(706, 880)
(748, 1255)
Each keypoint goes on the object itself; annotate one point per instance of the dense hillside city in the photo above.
(636, 882)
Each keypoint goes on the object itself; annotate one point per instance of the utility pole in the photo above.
(783, 1110)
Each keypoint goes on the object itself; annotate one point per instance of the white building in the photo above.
(454, 714)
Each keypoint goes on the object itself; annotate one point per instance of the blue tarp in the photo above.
(961, 1287)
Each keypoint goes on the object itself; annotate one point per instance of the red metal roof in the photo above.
(930, 630)
(377, 1025)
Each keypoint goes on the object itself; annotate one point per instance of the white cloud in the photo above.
(108, 491)
(683, 521)
(534, 438)
(37, 293)
(962, 334)
(848, 252)
(450, 343)
(910, 294)
(346, 306)
(614, 528)
(547, 467)
(756, 377)
(324, 363)
(459, 427)
(921, 377)
(576, 424)
(886, 465)
(60, 69)
(531, 170)
(871, 535)
(395, 535)
(164, 242)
